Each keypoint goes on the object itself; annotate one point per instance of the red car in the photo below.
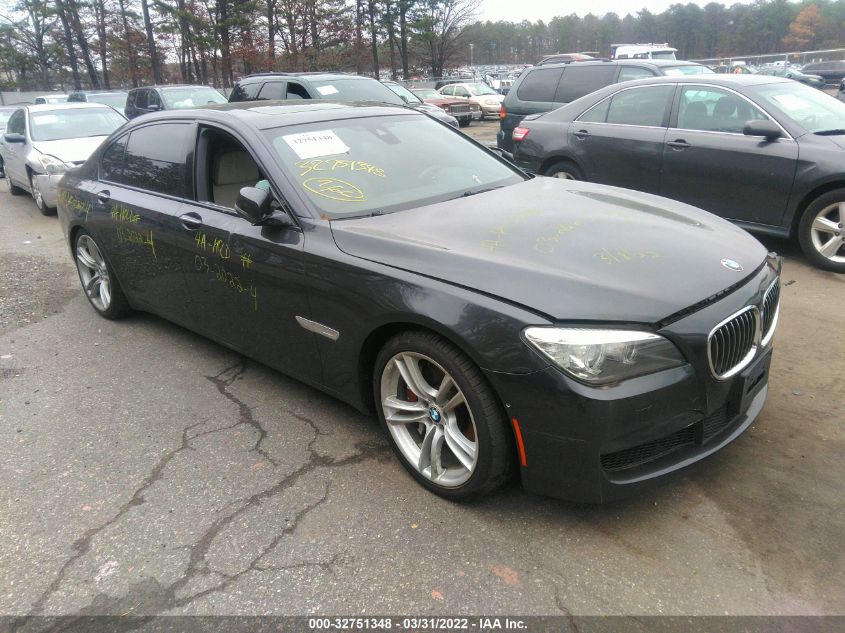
(458, 108)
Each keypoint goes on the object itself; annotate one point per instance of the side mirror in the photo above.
(153, 108)
(769, 129)
(14, 137)
(253, 204)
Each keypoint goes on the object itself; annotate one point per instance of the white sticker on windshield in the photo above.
(313, 144)
(327, 90)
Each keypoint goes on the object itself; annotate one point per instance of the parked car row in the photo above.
(764, 152)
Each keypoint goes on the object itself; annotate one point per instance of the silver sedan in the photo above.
(41, 142)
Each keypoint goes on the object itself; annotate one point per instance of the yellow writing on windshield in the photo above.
(323, 164)
(334, 189)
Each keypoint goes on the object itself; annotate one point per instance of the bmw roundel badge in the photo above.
(730, 264)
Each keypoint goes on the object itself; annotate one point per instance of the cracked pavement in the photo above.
(147, 470)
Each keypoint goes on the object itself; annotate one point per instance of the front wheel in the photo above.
(464, 122)
(98, 281)
(442, 418)
(13, 188)
(821, 234)
(38, 197)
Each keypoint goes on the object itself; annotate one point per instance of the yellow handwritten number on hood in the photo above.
(334, 189)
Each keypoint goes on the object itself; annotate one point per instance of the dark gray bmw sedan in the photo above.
(765, 152)
(595, 339)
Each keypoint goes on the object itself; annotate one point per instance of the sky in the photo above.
(533, 10)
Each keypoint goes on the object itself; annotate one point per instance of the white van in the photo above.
(642, 51)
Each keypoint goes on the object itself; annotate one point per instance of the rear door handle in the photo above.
(582, 134)
(678, 144)
(191, 221)
(104, 196)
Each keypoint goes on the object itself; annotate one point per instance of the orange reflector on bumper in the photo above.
(519, 443)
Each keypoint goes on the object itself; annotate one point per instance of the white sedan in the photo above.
(41, 142)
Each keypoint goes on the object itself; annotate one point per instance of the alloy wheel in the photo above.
(565, 175)
(36, 194)
(827, 234)
(94, 273)
(429, 418)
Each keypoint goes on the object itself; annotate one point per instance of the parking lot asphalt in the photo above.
(146, 470)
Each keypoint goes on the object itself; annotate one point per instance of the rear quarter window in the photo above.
(579, 81)
(540, 85)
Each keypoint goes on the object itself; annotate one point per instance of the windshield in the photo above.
(674, 71)
(481, 89)
(191, 97)
(377, 165)
(812, 109)
(56, 125)
(427, 94)
(402, 91)
(357, 90)
(113, 99)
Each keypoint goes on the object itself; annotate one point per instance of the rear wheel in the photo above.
(821, 234)
(442, 418)
(464, 122)
(565, 170)
(98, 281)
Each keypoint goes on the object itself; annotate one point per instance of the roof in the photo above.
(265, 115)
(65, 105)
(99, 92)
(729, 81)
(319, 76)
(658, 63)
(165, 86)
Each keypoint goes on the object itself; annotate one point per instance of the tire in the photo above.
(92, 265)
(452, 437)
(565, 170)
(464, 122)
(13, 188)
(38, 198)
(821, 234)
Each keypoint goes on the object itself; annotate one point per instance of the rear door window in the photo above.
(245, 91)
(141, 99)
(641, 106)
(580, 80)
(297, 91)
(272, 91)
(154, 166)
(540, 85)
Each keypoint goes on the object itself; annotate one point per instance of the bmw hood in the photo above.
(70, 150)
(567, 249)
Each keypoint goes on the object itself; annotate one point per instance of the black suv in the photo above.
(544, 88)
(332, 86)
(176, 97)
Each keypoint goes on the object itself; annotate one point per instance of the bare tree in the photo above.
(441, 24)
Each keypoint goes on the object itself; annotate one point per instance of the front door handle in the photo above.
(104, 196)
(191, 221)
(678, 144)
(581, 134)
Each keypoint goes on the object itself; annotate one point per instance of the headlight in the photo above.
(53, 165)
(604, 357)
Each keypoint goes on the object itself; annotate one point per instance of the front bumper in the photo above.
(596, 445)
(48, 185)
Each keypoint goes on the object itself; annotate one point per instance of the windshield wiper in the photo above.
(834, 132)
(466, 194)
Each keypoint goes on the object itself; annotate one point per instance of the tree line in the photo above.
(102, 44)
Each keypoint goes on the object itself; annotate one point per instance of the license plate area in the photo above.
(750, 383)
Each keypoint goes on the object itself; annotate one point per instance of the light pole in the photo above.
(471, 46)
